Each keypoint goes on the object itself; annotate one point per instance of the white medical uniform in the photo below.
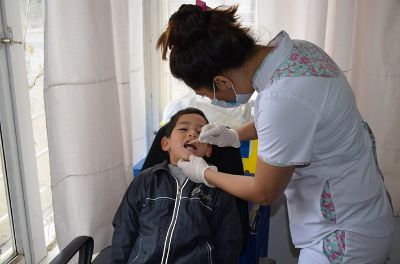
(306, 115)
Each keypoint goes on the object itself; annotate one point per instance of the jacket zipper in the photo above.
(209, 252)
(168, 237)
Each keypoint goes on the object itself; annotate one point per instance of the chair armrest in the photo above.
(83, 244)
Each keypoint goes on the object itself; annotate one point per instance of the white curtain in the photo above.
(375, 75)
(363, 36)
(93, 53)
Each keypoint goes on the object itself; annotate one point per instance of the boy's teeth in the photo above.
(190, 146)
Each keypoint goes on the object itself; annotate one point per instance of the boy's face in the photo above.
(187, 128)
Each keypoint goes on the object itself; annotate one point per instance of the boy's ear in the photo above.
(209, 151)
(165, 144)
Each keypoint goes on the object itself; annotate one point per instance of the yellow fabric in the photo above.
(249, 164)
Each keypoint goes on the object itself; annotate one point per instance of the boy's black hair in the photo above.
(204, 44)
(174, 119)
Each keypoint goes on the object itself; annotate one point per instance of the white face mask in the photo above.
(240, 99)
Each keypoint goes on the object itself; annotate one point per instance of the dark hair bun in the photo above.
(186, 26)
(204, 44)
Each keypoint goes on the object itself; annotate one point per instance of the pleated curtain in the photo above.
(94, 100)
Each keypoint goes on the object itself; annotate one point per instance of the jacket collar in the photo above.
(161, 166)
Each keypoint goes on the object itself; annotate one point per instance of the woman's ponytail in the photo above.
(204, 44)
(185, 27)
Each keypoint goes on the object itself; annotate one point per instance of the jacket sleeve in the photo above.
(126, 222)
(227, 235)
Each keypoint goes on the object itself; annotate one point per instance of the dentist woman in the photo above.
(313, 144)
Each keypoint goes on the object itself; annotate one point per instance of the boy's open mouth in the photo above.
(189, 146)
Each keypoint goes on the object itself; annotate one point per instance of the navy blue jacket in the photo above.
(160, 222)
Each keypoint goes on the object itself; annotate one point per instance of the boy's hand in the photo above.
(218, 134)
(194, 169)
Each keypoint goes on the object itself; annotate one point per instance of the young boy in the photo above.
(166, 218)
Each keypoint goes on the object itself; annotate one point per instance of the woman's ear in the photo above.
(222, 83)
(208, 151)
(165, 144)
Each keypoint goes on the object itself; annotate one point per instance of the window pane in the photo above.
(7, 244)
(32, 15)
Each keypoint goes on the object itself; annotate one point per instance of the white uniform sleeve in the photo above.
(286, 128)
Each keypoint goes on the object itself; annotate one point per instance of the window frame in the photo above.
(151, 33)
(18, 143)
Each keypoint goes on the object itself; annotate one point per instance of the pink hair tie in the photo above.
(201, 4)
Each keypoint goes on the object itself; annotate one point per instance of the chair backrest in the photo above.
(227, 159)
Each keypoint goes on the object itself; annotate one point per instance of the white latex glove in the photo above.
(218, 134)
(194, 169)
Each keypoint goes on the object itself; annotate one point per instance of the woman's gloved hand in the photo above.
(218, 134)
(194, 169)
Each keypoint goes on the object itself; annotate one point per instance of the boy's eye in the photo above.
(182, 129)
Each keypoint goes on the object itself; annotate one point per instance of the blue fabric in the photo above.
(138, 167)
(257, 245)
(245, 148)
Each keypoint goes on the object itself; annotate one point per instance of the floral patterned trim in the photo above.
(371, 135)
(283, 163)
(306, 59)
(327, 205)
(334, 246)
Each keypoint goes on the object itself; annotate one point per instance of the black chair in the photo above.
(226, 159)
(83, 245)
